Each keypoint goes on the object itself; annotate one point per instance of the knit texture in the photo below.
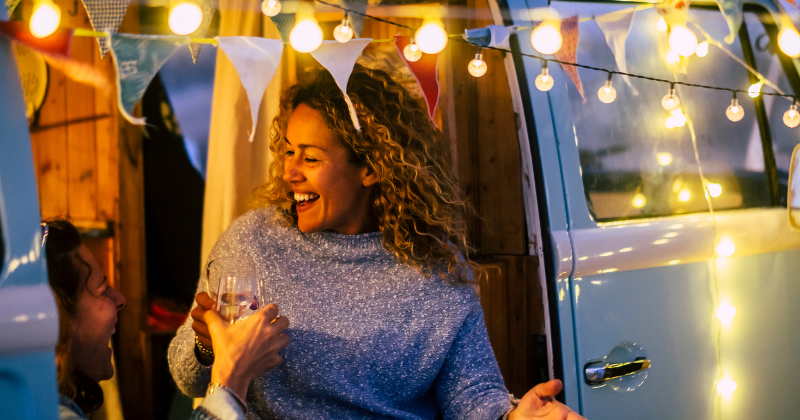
(370, 337)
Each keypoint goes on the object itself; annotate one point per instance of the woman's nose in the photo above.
(118, 298)
(291, 172)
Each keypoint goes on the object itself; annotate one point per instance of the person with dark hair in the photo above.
(358, 236)
(88, 306)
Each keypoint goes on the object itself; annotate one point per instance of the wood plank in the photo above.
(107, 150)
(494, 296)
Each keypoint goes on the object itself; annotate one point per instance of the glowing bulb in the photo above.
(725, 313)
(673, 57)
(670, 101)
(431, 37)
(684, 196)
(734, 112)
(546, 38)
(185, 18)
(670, 122)
(412, 52)
(680, 119)
(343, 32)
(791, 117)
(638, 201)
(664, 159)
(544, 81)
(682, 40)
(726, 386)
(607, 93)
(702, 49)
(755, 89)
(270, 7)
(306, 36)
(714, 189)
(725, 248)
(477, 67)
(45, 19)
(662, 25)
(789, 41)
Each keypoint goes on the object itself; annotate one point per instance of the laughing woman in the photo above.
(358, 239)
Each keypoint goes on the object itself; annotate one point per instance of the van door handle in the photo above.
(596, 375)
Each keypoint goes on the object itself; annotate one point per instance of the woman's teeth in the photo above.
(305, 197)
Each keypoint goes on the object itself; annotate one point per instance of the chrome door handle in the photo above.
(596, 375)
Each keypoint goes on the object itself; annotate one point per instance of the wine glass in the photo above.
(232, 284)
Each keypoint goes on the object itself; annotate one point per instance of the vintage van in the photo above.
(646, 233)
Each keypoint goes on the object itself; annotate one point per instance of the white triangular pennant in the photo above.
(256, 60)
(615, 28)
(340, 59)
(105, 15)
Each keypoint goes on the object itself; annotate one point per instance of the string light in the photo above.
(684, 195)
(789, 40)
(477, 67)
(670, 101)
(639, 200)
(306, 36)
(682, 40)
(702, 49)
(725, 313)
(725, 248)
(734, 111)
(714, 189)
(544, 81)
(664, 159)
(673, 57)
(670, 122)
(546, 38)
(432, 37)
(791, 117)
(726, 386)
(662, 25)
(412, 52)
(45, 19)
(270, 7)
(185, 18)
(343, 32)
(755, 89)
(607, 93)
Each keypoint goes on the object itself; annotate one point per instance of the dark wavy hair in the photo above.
(416, 200)
(68, 282)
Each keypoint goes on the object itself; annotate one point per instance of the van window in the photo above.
(632, 164)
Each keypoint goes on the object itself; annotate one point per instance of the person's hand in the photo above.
(247, 349)
(204, 304)
(539, 403)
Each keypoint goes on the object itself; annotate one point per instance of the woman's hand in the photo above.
(204, 304)
(247, 349)
(539, 403)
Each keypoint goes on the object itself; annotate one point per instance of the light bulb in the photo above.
(185, 18)
(754, 90)
(725, 313)
(725, 248)
(270, 7)
(664, 159)
(714, 189)
(412, 52)
(670, 101)
(45, 19)
(682, 40)
(607, 93)
(431, 37)
(684, 195)
(343, 32)
(544, 81)
(680, 119)
(673, 57)
(662, 25)
(306, 36)
(789, 41)
(791, 117)
(546, 38)
(734, 112)
(477, 67)
(702, 49)
(670, 122)
(726, 386)
(638, 201)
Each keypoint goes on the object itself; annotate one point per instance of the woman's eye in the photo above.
(310, 160)
(289, 153)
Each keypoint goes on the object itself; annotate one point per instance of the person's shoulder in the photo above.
(265, 219)
(68, 410)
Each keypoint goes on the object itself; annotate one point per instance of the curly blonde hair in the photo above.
(416, 202)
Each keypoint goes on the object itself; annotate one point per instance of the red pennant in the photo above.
(424, 70)
(569, 33)
(56, 44)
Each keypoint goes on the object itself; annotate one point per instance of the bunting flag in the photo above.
(105, 15)
(424, 70)
(56, 44)
(284, 21)
(569, 32)
(674, 12)
(11, 5)
(138, 58)
(615, 28)
(491, 36)
(256, 60)
(732, 11)
(209, 7)
(356, 19)
(339, 59)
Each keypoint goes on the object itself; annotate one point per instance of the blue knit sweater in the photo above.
(370, 337)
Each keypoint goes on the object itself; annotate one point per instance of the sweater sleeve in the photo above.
(469, 385)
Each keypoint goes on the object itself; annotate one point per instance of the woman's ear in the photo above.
(368, 176)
